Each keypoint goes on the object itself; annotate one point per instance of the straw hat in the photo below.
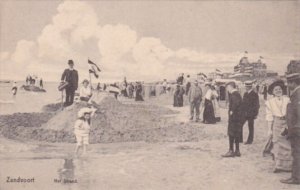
(292, 76)
(83, 111)
(248, 83)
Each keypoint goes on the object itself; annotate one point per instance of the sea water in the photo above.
(26, 101)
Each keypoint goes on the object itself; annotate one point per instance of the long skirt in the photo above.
(138, 96)
(208, 113)
(216, 110)
(178, 101)
(281, 146)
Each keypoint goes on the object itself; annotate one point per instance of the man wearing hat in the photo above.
(70, 76)
(293, 122)
(250, 109)
(195, 97)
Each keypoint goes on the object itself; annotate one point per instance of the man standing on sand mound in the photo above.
(70, 76)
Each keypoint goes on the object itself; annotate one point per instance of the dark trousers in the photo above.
(195, 105)
(295, 145)
(251, 130)
(70, 92)
(234, 140)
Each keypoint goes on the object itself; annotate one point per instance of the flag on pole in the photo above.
(218, 72)
(94, 68)
(94, 65)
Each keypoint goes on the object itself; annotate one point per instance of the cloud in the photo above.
(150, 54)
(75, 33)
(115, 41)
(4, 55)
(24, 53)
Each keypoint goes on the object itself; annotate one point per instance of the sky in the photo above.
(144, 40)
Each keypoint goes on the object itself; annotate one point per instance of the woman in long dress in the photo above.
(209, 113)
(178, 96)
(138, 92)
(275, 116)
(216, 104)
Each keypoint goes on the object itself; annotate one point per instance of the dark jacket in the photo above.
(71, 76)
(250, 106)
(235, 121)
(293, 114)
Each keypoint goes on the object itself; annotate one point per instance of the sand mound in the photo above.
(113, 122)
(52, 107)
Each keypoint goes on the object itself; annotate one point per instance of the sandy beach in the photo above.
(177, 162)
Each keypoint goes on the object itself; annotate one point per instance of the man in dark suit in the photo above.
(235, 121)
(70, 76)
(250, 109)
(293, 122)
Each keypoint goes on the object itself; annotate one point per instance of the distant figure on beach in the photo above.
(178, 96)
(187, 84)
(180, 79)
(130, 90)
(215, 101)
(250, 109)
(41, 83)
(85, 92)
(234, 120)
(208, 112)
(14, 89)
(195, 97)
(82, 128)
(138, 92)
(70, 76)
(28, 80)
(277, 127)
(33, 80)
(265, 91)
(164, 85)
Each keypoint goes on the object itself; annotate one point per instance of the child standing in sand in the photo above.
(82, 128)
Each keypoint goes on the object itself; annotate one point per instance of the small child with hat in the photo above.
(82, 128)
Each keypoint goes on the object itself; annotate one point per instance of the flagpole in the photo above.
(90, 80)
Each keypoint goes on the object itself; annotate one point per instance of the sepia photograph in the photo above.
(149, 95)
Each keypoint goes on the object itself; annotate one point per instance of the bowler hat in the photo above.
(248, 83)
(274, 84)
(70, 62)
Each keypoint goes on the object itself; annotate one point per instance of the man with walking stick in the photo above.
(69, 82)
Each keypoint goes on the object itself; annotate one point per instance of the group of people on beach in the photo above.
(208, 100)
(282, 114)
(34, 80)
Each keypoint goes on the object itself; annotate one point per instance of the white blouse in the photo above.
(85, 92)
(276, 107)
(81, 127)
(210, 93)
